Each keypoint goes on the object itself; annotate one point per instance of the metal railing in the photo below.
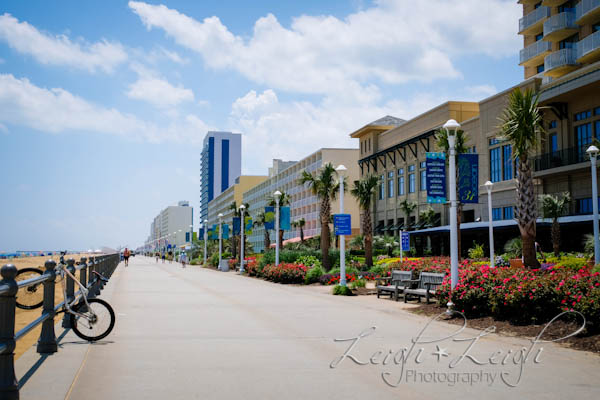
(560, 58)
(560, 158)
(533, 50)
(588, 44)
(557, 22)
(47, 344)
(584, 7)
(533, 17)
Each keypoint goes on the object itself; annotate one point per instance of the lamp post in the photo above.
(242, 229)
(593, 152)
(341, 171)
(191, 235)
(488, 186)
(277, 196)
(220, 238)
(451, 127)
(205, 239)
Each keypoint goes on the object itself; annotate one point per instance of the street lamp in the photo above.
(593, 152)
(277, 196)
(341, 171)
(205, 238)
(220, 238)
(452, 127)
(488, 186)
(242, 229)
(191, 234)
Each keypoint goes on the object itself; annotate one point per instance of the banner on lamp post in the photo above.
(248, 225)
(284, 219)
(236, 226)
(270, 217)
(468, 178)
(436, 177)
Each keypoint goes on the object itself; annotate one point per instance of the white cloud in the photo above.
(59, 49)
(394, 41)
(57, 111)
(159, 92)
(481, 91)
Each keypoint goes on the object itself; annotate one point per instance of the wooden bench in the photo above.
(396, 285)
(426, 285)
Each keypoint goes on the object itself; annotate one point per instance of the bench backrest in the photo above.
(434, 278)
(398, 276)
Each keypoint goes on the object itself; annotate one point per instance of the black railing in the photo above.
(560, 158)
(104, 265)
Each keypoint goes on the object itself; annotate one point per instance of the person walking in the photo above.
(183, 259)
(126, 255)
(157, 255)
(164, 255)
(170, 256)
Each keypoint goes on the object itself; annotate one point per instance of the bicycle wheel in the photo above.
(30, 297)
(98, 322)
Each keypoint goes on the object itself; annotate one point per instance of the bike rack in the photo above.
(105, 265)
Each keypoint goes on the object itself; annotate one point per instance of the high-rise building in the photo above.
(171, 227)
(220, 166)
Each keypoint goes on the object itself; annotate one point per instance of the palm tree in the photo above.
(554, 207)
(357, 243)
(300, 224)
(408, 207)
(325, 186)
(284, 200)
(427, 216)
(235, 238)
(364, 191)
(460, 147)
(261, 220)
(521, 124)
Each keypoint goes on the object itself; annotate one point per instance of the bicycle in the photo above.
(85, 316)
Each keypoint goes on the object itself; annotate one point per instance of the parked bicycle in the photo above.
(91, 319)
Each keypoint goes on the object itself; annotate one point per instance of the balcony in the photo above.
(553, 3)
(587, 12)
(532, 23)
(560, 158)
(560, 62)
(534, 54)
(560, 26)
(588, 49)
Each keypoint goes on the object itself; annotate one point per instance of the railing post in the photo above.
(47, 341)
(9, 387)
(90, 275)
(95, 290)
(83, 273)
(66, 323)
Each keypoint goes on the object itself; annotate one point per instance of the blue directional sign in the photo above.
(405, 241)
(342, 224)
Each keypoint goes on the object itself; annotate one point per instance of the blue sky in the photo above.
(104, 105)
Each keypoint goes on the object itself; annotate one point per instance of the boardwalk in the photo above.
(201, 334)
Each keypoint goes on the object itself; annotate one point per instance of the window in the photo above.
(507, 213)
(423, 164)
(401, 182)
(584, 206)
(474, 150)
(411, 183)
(494, 141)
(369, 144)
(390, 184)
(595, 27)
(423, 180)
(411, 168)
(552, 125)
(507, 171)
(583, 136)
(553, 143)
(569, 43)
(495, 164)
(496, 214)
(580, 116)
(597, 111)
(540, 68)
(381, 187)
(539, 36)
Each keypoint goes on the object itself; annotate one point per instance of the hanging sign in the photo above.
(468, 178)
(436, 177)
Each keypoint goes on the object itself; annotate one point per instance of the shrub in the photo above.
(252, 268)
(569, 262)
(285, 273)
(359, 283)
(309, 261)
(377, 270)
(332, 279)
(342, 291)
(476, 252)
(313, 275)
(214, 260)
(514, 248)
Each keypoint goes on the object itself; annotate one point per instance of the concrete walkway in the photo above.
(202, 334)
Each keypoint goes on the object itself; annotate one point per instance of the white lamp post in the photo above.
(451, 127)
(191, 235)
(341, 171)
(242, 229)
(488, 186)
(205, 239)
(593, 152)
(277, 196)
(220, 238)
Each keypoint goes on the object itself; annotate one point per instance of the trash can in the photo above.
(224, 266)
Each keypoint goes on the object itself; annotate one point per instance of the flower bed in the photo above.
(334, 279)
(285, 273)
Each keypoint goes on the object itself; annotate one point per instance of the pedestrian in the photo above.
(126, 255)
(156, 255)
(164, 255)
(170, 256)
(183, 258)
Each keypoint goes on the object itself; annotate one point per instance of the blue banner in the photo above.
(225, 234)
(436, 177)
(269, 217)
(187, 236)
(468, 178)
(342, 224)
(405, 241)
(236, 226)
(201, 233)
(248, 225)
(284, 219)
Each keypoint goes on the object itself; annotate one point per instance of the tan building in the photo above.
(222, 203)
(303, 204)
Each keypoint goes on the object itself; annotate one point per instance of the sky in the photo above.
(104, 104)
